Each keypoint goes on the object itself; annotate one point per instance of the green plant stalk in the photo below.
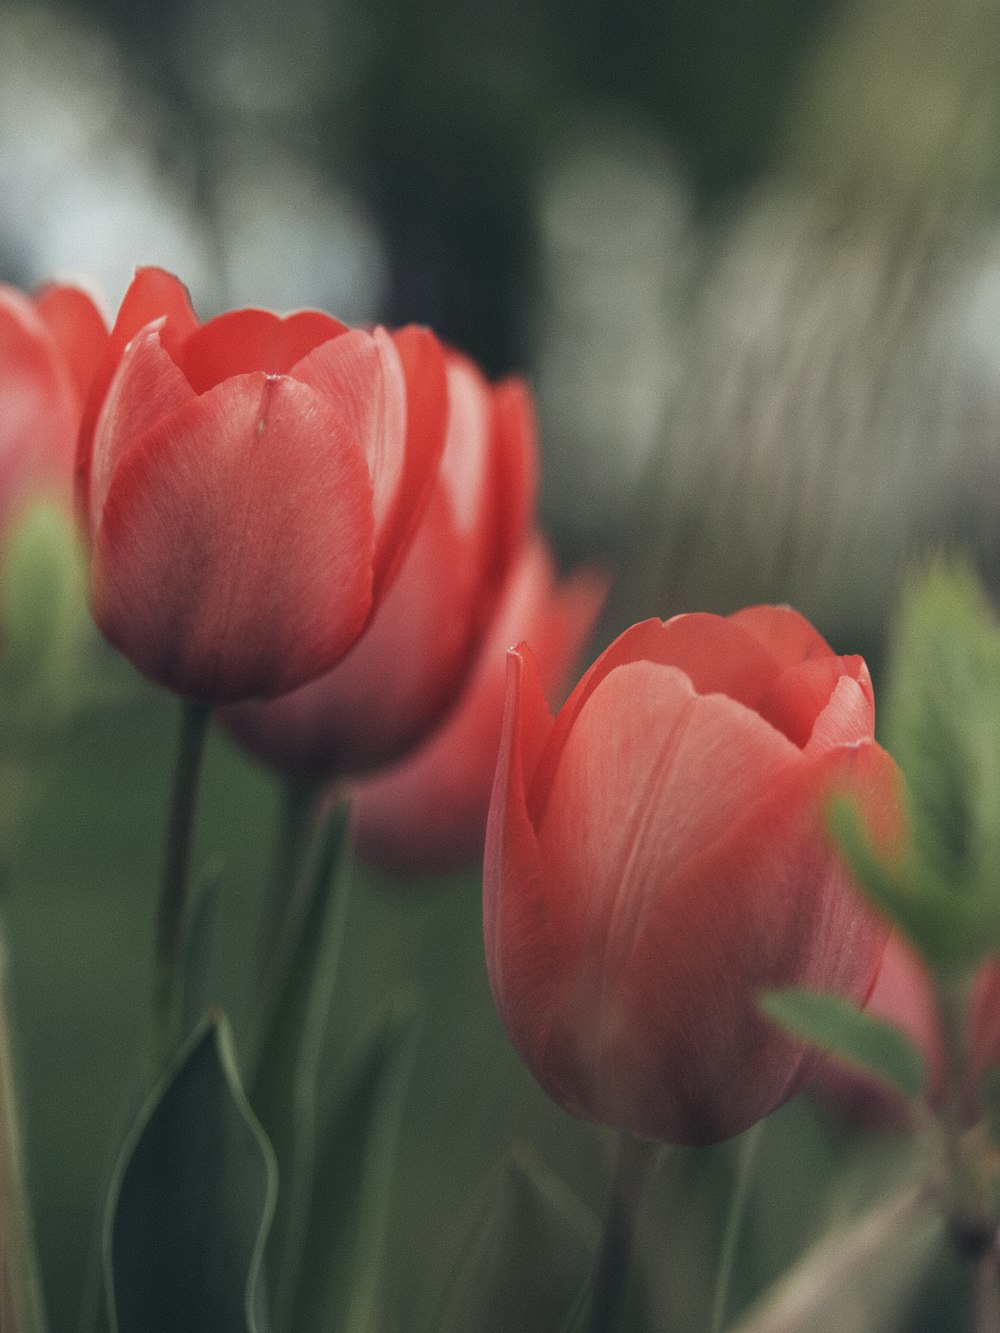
(300, 808)
(746, 1160)
(195, 718)
(605, 1307)
(21, 1308)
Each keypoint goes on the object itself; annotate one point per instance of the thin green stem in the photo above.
(746, 1160)
(195, 718)
(605, 1309)
(20, 1291)
(300, 803)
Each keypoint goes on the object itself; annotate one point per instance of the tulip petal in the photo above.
(361, 375)
(78, 328)
(147, 388)
(40, 407)
(426, 421)
(524, 953)
(737, 920)
(786, 634)
(794, 701)
(517, 454)
(214, 523)
(153, 294)
(848, 715)
(242, 341)
(715, 654)
(650, 774)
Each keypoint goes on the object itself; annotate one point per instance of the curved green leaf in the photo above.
(191, 1202)
(835, 1025)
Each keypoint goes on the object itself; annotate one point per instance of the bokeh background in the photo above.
(748, 253)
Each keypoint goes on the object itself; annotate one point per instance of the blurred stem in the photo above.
(195, 718)
(605, 1308)
(746, 1160)
(20, 1290)
(300, 806)
(986, 1292)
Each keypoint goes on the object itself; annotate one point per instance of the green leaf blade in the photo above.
(192, 1202)
(836, 1026)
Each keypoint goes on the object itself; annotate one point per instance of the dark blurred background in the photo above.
(746, 250)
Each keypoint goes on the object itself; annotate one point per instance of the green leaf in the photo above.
(352, 1189)
(191, 1203)
(43, 606)
(285, 1091)
(531, 1255)
(953, 932)
(942, 724)
(863, 1276)
(835, 1025)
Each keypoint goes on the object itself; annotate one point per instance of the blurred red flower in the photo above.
(429, 812)
(50, 346)
(249, 486)
(656, 856)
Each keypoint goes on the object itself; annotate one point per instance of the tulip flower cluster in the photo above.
(326, 538)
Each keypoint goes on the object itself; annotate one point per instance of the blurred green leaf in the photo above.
(942, 725)
(953, 932)
(352, 1189)
(43, 609)
(285, 1090)
(862, 1276)
(191, 1203)
(835, 1025)
(529, 1259)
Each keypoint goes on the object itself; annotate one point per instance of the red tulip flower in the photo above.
(656, 857)
(416, 654)
(50, 345)
(429, 812)
(249, 487)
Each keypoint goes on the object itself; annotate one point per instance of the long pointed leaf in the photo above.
(191, 1202)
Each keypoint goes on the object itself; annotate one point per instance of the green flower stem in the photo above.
(301, 800)
(195, 718)
(605, 1310)
(20, 1290)
(745, 1162)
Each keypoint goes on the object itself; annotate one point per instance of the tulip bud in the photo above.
(656, 857)
(249, 487)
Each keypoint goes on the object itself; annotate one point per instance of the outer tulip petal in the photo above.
(180, 580)
(649, 775)
(361, 374)
(148, 387)
(524, 950)
(79, 330)
(242, 341)
(40, 408)
(515, 423)
(794, 701)
(426, 421)
(429, 812)
(735, 921)
(153, 294)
